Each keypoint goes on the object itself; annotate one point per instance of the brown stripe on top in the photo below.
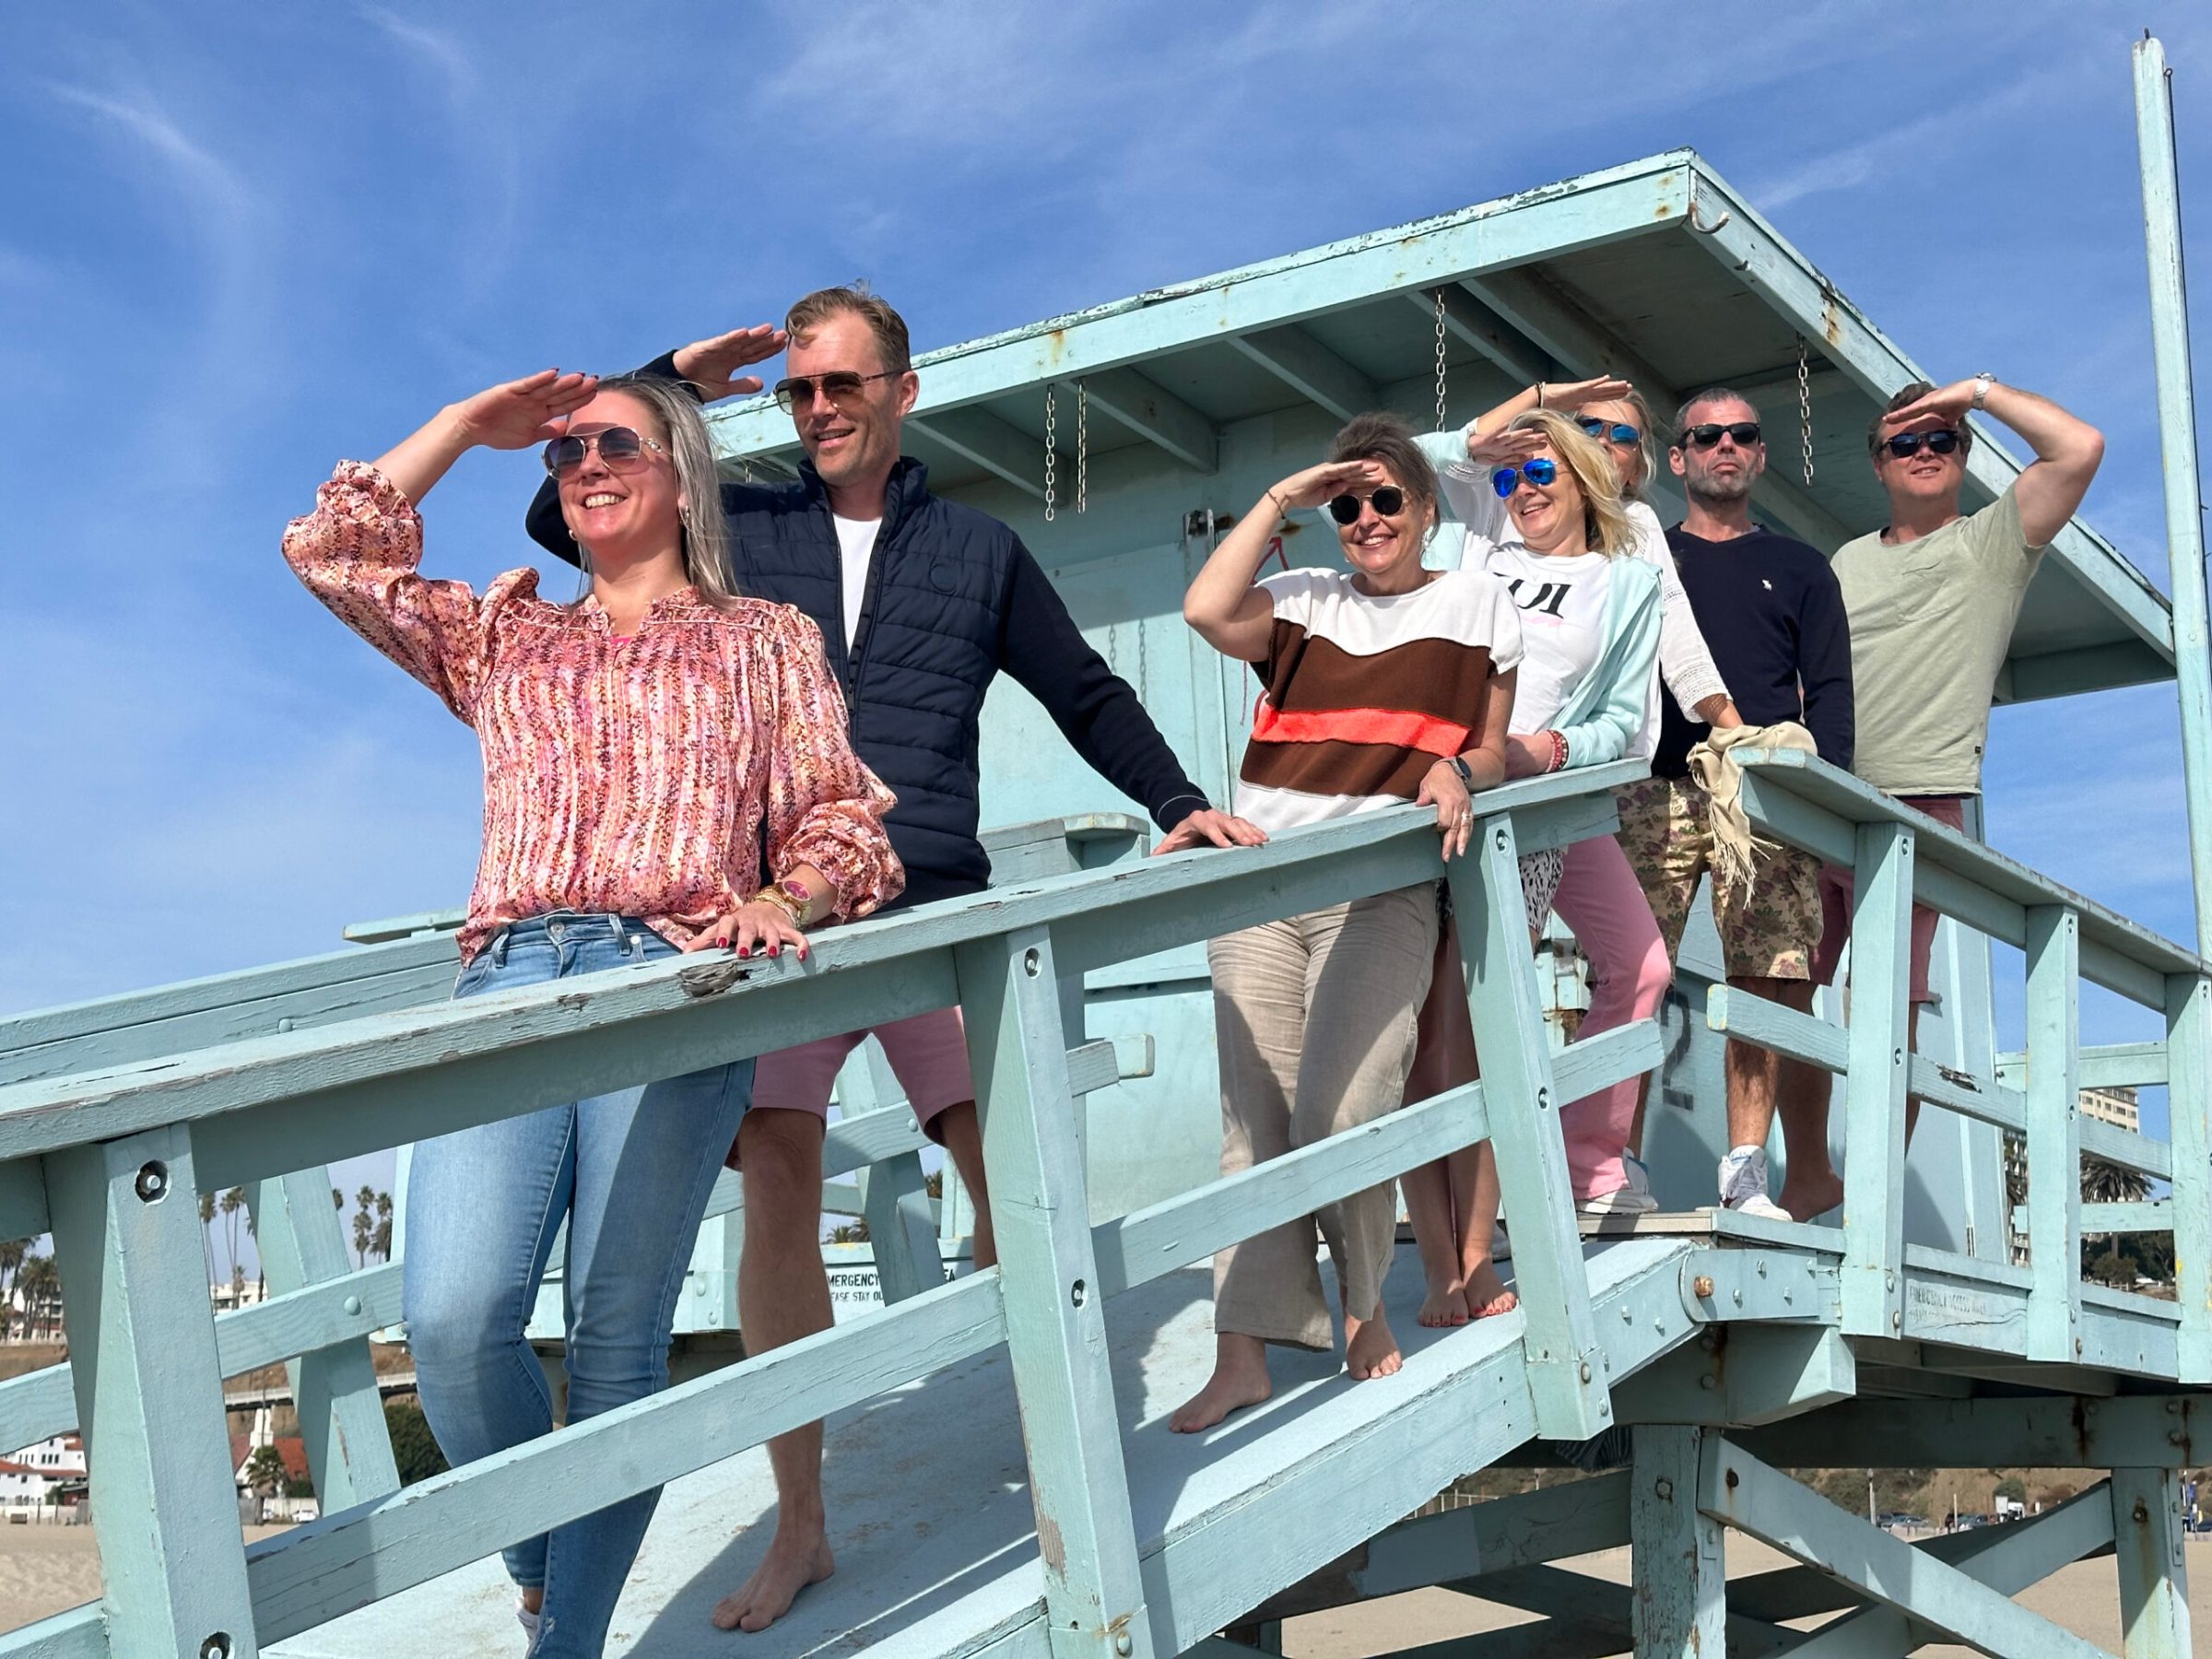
(1336, 769)
(1447, 678)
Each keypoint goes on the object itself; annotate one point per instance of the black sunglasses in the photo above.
(1941, 442)
(1609, 432)
(621, 449)
(1745, 432)
(841, 386)
(1389, 500)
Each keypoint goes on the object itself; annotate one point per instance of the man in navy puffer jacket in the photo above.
(921, 602)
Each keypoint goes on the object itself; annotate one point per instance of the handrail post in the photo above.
(150, 1397)
(1049, 1284)
(1880, 1045)
(1565, 1365)
(2053, 1132)
(2188, 1101)
(341, 1413)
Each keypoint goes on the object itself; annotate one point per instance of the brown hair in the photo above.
(853, 300)
(1387, 438)
(1604, 520)
(1647, 446)
(1876, 437)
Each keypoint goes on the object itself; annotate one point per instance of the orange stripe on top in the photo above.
(1398, 728)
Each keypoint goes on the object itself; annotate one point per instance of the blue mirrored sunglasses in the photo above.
(1608, 431)
(1540, 471)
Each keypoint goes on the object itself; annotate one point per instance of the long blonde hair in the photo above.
(1605, 526)
(705, 532)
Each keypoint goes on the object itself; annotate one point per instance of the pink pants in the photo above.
(1600, 898)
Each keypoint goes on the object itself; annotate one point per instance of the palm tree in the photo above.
(232, 1201)
(11, 1265)
(364, 1225)
(207, 1232)
(40, 1285)
(382, 1243)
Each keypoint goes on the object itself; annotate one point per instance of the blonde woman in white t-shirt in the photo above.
(1556, 532)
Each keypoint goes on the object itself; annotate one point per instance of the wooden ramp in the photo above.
(932, 1516)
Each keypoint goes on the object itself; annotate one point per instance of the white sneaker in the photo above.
(530, 1622)
(1620, 1201)
(1744, 1185)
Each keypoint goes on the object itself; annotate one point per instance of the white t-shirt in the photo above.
(856, 545)
(1561, 599)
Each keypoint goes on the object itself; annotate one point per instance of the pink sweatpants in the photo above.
(1601, 899)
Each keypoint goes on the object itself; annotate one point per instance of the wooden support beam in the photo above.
(1737, 1488)
(2189, 1128)
(1004, 451)
(1312, 369)
(902, 1229)
(1055, 1306)
(1583, 1615)
(1157, 415)
(2104, 1065)
(1680, 1571)
(1566, 1366)
(2054, 1132)
(1750, 1374)
(2006, 1559)
(334, 1389)
(1874, 1089)
(1559, 326)
(2133, 1430)
(2154, 1573)
(127, 1239)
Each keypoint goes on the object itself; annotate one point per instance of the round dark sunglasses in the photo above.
(620, 450)
(1745, 432)
(1940, 441)
(1389, 500)
(1608, 431)
(1540, 471)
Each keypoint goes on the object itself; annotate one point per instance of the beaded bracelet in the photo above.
(1558, 751)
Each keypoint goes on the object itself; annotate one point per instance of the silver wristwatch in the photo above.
(1983, 382)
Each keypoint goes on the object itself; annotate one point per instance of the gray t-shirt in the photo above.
(1931, 621)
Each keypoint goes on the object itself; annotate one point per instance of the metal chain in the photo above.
(1082, 446)
(1440, 359)
(1804, 410)
(1052, 429)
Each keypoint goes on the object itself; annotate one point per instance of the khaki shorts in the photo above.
(1769, 933)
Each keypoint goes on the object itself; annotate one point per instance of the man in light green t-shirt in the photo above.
(1932, 601)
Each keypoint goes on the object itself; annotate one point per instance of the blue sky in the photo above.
(243, 242)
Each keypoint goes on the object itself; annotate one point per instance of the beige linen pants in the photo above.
(1314, 1017)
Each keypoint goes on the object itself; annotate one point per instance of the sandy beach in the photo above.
(2084, 1597)
(46, 1570)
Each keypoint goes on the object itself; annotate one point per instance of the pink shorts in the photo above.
(1836, 886)
(928, 1055)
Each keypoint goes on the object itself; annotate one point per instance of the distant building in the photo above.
(61, 1458)
(2117, 1107)
(2113, 1106)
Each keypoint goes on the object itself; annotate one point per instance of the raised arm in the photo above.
(361, 550)
(2068, 450)
(1225, 605)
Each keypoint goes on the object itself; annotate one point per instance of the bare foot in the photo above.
(1810, 1195)
(1487, 1294)
(794, 1560)
(1370, 1350)
(1445, 1304)
(1240, 1379)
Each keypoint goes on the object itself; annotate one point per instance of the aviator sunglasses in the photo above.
(1389, 500)
(1745, 432)
(1539, 472)
(840, 386)
(621, 449)
(1608, 431)
(1940, 441)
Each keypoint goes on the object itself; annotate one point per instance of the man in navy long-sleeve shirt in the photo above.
(921, 602)
(1773, 617)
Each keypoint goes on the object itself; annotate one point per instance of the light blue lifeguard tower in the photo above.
(999, 1469)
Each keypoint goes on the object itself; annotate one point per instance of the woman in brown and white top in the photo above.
(1383, 683)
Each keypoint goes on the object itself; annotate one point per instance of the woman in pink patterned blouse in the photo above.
(642, 748)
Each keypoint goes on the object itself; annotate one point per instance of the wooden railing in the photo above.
(114, 1116)
(1901, 856)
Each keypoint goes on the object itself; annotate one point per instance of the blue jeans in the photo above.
(630, 1172)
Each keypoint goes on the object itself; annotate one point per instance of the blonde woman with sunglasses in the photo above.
(644, 749)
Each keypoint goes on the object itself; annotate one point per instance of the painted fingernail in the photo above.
(724, 943)
(745, 950)
(775, 950)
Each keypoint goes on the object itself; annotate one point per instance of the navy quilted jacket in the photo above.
(953, 597)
